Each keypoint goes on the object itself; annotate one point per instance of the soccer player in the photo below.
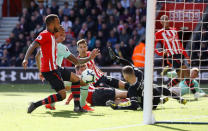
(100, 95)
(46, 41)
(173, 51)
(134, 77)
(63, 52)
(190, 85)
(100, 77)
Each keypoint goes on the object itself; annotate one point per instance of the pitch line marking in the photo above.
(127, 126)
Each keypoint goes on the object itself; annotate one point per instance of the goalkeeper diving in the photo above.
(134, 77)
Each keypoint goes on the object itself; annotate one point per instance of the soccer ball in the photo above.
(88, 76)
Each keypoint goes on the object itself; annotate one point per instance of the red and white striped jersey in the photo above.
(170, 40)
(91, 65)
(48, 51)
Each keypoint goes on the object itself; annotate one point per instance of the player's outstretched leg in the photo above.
(50, 99)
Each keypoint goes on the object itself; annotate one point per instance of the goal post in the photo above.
(148, 116)
(189, 27)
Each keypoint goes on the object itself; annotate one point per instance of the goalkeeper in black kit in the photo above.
(135, 78)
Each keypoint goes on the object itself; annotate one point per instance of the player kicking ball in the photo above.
(98, 96)
(134, 77)
(49, 69)
(63, 52)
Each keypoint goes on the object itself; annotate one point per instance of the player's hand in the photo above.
(95, 52)
(41, 76)
(24, 63)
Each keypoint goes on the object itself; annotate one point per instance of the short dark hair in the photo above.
(128, 70)
(50, 18)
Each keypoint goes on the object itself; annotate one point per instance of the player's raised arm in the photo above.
(77, 61)
(31, 48)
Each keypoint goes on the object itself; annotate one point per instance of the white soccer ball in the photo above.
(88, 76)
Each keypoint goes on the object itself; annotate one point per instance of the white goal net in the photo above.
(177, 60)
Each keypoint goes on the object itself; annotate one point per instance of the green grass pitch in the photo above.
(14, 100)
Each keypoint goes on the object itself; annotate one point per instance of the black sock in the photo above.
(50, 99)
(173, 82)
(75, 89)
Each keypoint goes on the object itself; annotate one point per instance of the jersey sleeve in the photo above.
(157, 39)
(63, 50)
(42, 38)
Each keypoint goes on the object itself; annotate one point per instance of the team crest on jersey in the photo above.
(39, 37)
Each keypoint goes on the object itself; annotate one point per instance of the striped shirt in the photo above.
(170, 40)
(91, 65)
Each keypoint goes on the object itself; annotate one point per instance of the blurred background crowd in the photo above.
(119, 24)
(103, 23)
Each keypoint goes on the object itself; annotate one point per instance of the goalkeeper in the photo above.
(134, 77)
(190, 85)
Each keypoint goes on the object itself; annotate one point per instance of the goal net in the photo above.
(177, 60)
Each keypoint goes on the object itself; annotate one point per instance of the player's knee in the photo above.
(82, 83)
(63, 94)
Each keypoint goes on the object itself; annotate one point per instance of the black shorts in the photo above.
(107, 81)
(176, 61)
(101, 95)
(65, 74)
(55, 80)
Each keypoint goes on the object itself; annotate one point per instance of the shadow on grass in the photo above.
(12, 95)
(65, 114)
(70, 114)
(171, 128)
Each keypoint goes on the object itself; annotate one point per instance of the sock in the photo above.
(75, 89)
(50, 99)
(83, 95)
(190, 84)
(173, 82)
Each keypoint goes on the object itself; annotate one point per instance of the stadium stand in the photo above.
(119, 24)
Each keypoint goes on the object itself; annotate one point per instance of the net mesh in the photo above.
(182, 28)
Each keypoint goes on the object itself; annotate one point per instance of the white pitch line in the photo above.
(117, 127)
(127, 126)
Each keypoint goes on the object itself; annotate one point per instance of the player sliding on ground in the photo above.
(190, 85)
(49, 69)
(173, 52)
(98, 96)
(134, 77)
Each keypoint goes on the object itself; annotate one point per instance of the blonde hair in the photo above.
(81, 41)
(195, 69)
